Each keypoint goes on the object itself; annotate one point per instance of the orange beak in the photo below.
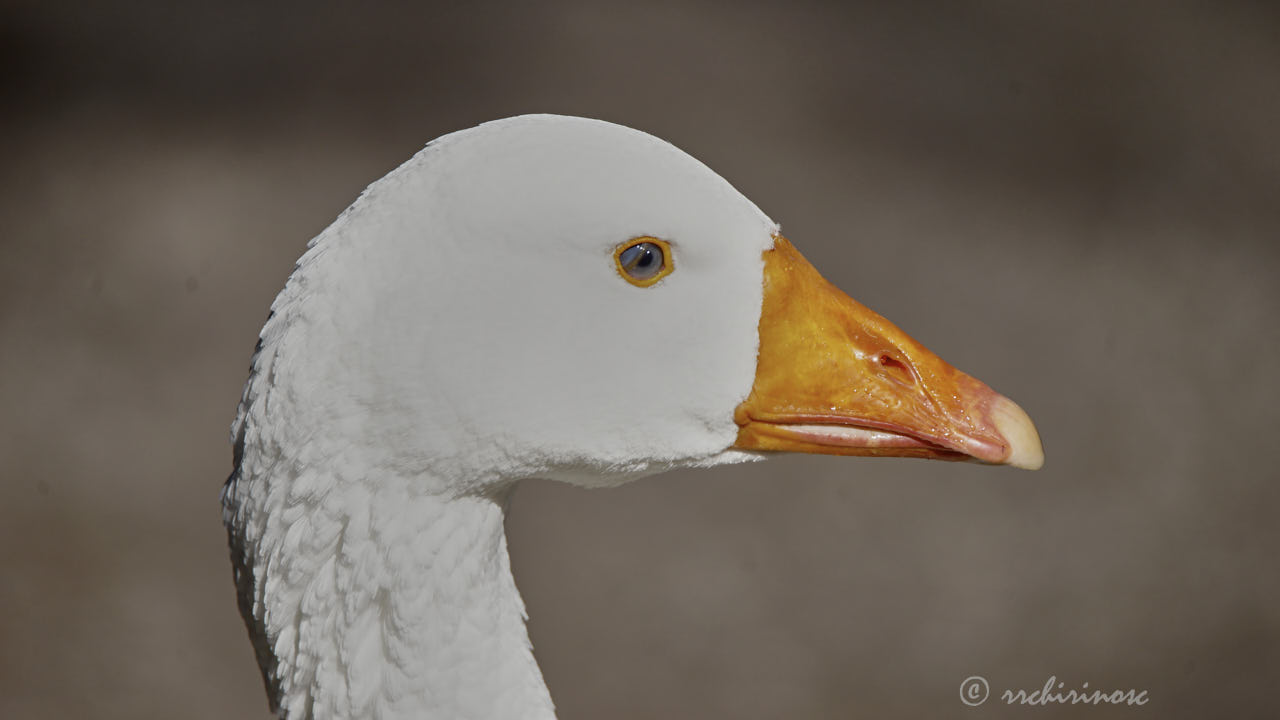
(834, 377)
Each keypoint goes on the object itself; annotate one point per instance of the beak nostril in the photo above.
(890, 361)
(894, 363)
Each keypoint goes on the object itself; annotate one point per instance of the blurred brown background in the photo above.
(1077, 202)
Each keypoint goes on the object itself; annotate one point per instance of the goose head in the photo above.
(473, 317)
(548, 297)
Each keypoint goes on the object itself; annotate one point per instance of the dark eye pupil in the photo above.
(642, 260)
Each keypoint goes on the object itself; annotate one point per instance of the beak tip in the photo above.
(1013, 423)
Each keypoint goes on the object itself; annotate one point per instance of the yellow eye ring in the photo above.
(643, 261)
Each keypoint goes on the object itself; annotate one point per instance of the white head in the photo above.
(466, 320)
(466, 315)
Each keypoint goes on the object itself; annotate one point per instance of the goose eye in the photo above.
(643, 261)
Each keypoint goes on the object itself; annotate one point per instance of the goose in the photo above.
(535, 297)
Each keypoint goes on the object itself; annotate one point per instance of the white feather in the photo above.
(459, 328)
